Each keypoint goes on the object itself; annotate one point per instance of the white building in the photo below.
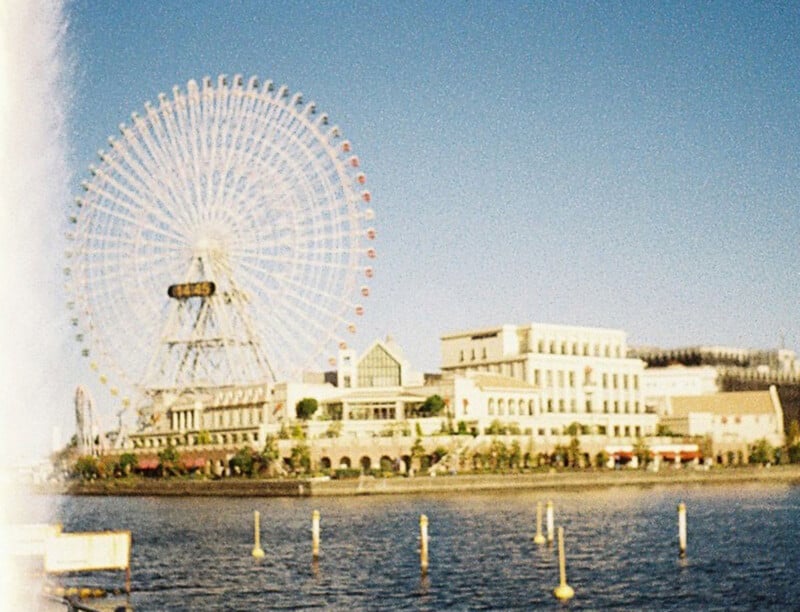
(582, 374)
(732, 421)
(659, 384)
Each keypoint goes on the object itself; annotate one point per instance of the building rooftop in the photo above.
(724, 404)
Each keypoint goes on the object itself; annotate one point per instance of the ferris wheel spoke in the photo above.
(131, 198)
(164, 145)
(150, 183)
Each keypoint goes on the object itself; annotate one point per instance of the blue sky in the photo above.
(628, 165)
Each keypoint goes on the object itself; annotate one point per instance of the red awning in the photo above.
(147, 464)
(194, 462)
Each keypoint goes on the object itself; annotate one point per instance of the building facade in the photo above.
(731, 421)
(582, 374)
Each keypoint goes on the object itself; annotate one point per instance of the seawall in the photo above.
(246, 487)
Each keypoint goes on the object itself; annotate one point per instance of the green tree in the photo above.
(301, 458)
(432, 406)
(243, 462)
(641, 451)
(417, 451)
(762, 452)
(334, 430)
(168, 458)
(270, 454)
(515, 455)
(306, 408)
(203, 437)
(86, 467)
(127, 463)
(574, 454)
(498, 453)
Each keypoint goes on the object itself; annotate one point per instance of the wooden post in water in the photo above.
(563, 591)
(315, 535)
(550, 523)
(538, 538)
(423, 543)
(681, 530)
(258, 552)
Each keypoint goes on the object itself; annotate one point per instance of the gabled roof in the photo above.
(498, 381)
(731, 403)
(391, 348)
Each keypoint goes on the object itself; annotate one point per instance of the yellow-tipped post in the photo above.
(681, 530)
(315, 535)
(539, 537)
(423, 543)
(563, 591)
(550, 523)
(258, 552)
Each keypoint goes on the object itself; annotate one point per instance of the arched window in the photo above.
(491, 406)
(501, 407)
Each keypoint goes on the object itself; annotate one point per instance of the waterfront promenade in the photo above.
(321, 487)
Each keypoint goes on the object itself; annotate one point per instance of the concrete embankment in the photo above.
(244, 487)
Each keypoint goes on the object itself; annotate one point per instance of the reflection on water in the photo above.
(194, 553)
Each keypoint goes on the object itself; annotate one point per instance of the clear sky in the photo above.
(628, 165)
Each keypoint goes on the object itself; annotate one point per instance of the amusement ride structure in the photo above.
(223, 242)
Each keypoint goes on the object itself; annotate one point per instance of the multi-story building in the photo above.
(734, 369)
(582, 374)
(731, 421)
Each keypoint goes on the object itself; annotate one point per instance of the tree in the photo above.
(515, 455)
(127, 463)
(86, 467)
(301, 458)
(432, 406)
(243, 462)
(168, 460)
(762, 452)
(306, 408)
(270, 454)
(641, 451)
(417, 451)
(574, 452)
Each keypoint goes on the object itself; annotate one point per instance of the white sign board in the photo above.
(29, 540)
(75, 552)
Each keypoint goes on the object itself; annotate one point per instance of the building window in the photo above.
(472, 355)
(483, 353)
(501, 407)
(511, 410)
(572, 379)
(491, 406)
(549, 405)
(561, 405)
(378, 369)
(346, 382)
(605, 406)
(588, 405)
(461, 355)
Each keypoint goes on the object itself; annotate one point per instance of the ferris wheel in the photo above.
(224, 239)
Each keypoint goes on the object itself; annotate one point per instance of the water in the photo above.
(194, 553)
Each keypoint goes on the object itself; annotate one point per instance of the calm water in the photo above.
(194, 553)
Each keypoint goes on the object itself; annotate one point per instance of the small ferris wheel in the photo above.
(224, 239)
